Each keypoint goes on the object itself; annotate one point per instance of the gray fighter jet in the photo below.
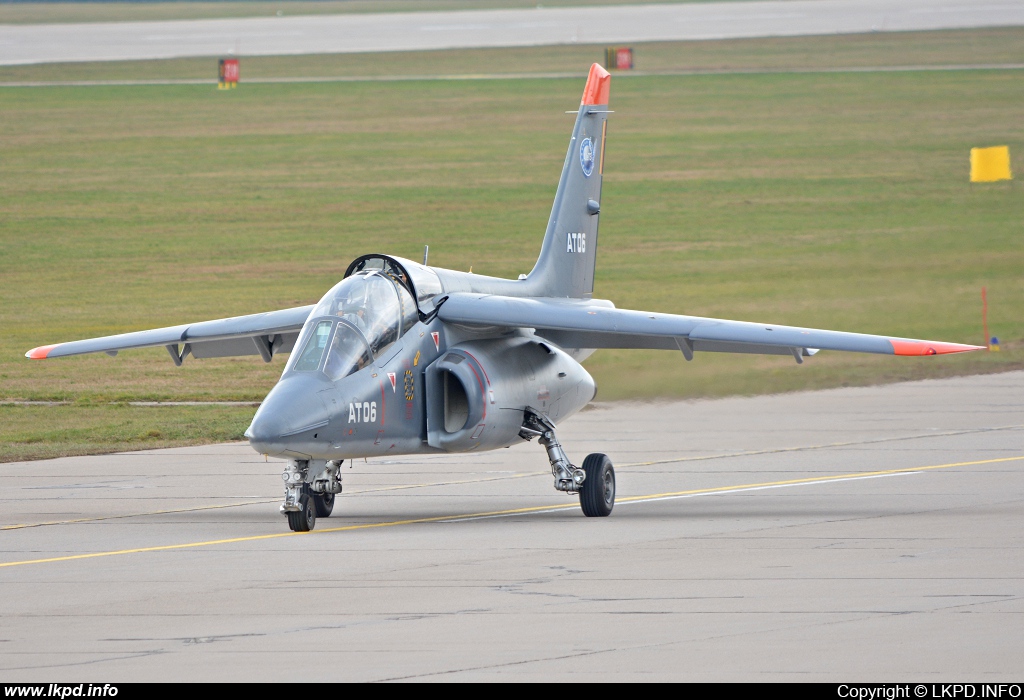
(403, 358)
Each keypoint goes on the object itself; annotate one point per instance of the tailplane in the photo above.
(565, 267)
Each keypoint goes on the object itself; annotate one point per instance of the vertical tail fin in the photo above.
(565, 267)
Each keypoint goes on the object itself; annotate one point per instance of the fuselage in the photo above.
(374, 371)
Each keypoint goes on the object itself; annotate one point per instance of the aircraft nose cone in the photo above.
(291, 410)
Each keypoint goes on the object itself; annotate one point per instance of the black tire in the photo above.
(324, 504)
(597, 497)
(304, 519)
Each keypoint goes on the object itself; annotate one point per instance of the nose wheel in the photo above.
(303, 519)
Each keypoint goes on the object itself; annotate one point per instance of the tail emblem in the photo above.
(587, 156)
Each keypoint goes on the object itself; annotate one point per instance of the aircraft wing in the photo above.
(590, 325)
(263, 334)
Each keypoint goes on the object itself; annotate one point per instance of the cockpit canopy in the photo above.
(359, 319)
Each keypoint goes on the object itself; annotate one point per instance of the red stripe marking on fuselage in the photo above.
(481, 365)
(483, 394)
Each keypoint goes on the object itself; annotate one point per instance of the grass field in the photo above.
(829, 200)
(46, 432)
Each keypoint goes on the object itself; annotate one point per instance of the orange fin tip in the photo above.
(599, 84)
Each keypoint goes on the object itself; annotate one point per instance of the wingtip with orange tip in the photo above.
(40, 353)
(928, 347)
(599, 84)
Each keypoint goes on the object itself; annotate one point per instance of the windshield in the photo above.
(309, 359)
(348, 353)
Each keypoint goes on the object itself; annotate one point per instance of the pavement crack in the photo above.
(560, 657)
(90, 662)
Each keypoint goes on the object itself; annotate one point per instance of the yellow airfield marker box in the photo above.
(990, 164)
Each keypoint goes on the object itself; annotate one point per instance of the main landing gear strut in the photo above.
(309, 491)
(594, 482)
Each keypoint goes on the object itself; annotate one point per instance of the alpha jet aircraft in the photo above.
(403, 358)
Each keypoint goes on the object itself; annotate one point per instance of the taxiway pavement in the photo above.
(865, 534)
(353, 33)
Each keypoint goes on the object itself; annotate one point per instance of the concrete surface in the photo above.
(352, 33)
(857, 534)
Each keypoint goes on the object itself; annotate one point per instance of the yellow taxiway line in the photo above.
(514, 511)
(811, 480)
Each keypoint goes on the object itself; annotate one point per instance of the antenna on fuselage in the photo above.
(426, 252)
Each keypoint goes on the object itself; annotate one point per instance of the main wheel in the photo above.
(324, 504)
(597, 496)
(304, 519)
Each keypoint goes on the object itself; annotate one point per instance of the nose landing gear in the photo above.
(309, 492)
